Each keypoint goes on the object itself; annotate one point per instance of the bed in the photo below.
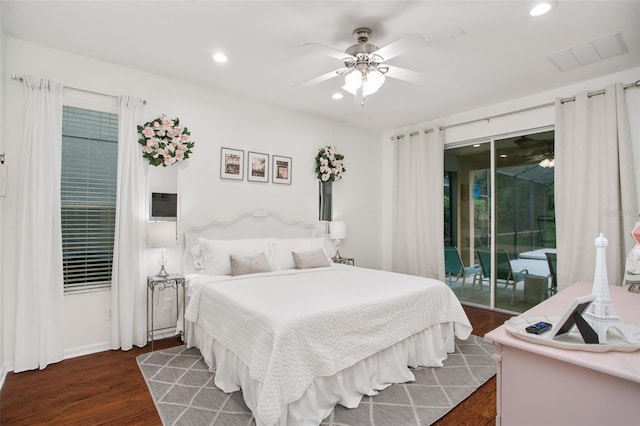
(298, 334)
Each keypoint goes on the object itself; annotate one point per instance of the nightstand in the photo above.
(154, 283)
(344, 260)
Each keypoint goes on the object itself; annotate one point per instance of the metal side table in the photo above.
(154, 283)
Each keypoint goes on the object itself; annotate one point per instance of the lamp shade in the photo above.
(375, 80)
(161, 234)
(369, 80)
(338, 230)
(352, 81)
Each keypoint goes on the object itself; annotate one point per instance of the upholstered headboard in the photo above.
(257, 224)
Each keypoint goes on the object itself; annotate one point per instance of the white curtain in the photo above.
(40, 285)
(418, 211)
(594, 185)
(128, 282)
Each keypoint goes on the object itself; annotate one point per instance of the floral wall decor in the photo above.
(165, 141)
(329, 164)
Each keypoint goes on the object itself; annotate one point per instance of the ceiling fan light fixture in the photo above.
(364, 70)
(369, 81)
(374, 79)
(353, 81)
(547, 162)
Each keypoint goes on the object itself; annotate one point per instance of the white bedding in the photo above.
(293, 326)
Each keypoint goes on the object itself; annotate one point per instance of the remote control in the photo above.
(539, 327)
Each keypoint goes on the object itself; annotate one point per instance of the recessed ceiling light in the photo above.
(337, 96)
(540, 8)
(220, 58)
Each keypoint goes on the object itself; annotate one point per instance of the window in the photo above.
(506, 208)
(88, 197)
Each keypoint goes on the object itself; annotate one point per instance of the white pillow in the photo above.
(196, 255)
(216, 253)
(284, 247)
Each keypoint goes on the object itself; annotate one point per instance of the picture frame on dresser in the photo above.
(281, 169)
(573, 317)
(257, 167)
(231, 164)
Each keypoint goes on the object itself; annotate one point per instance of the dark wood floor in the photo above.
(107, 388)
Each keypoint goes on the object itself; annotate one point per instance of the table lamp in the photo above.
(161, 235)
(337, 232)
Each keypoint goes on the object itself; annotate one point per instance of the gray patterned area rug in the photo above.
(184, 393)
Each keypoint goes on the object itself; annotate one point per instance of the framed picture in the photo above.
(281, 169)
(231, 164)
(566, 322)
(464, 192)
(257, 167)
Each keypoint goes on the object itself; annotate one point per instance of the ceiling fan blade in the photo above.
(321, 78)
(400, 46)
(329, 51)
(405, 74)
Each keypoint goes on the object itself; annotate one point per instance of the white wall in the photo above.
(529, 120)
(216, 119)
(3, 370)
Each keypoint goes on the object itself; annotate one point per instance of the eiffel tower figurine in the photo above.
(600, 315)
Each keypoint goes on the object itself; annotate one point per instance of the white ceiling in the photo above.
(477, 52)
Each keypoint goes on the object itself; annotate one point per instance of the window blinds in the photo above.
(88, 197)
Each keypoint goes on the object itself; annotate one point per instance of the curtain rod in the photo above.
(412, 134)
(21, 78)
(504, 114)
(562, 100)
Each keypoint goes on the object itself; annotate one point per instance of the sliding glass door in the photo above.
(468, 208)
(499, 217)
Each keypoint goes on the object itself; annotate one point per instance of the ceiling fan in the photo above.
(364, 68)
(536, 150)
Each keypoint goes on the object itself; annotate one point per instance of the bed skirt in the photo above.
(347, 387)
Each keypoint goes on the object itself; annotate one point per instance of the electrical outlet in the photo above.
(108, 315)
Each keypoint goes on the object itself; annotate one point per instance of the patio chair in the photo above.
(546, 231)
(504, 273)
(453, 266)
(552, 261)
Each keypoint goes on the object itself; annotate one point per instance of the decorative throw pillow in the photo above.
(215, 253)
(241, 265)
(310, 259)
(284, 247)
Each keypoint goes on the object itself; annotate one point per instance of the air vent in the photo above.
(589, 52)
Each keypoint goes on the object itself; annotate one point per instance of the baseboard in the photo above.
(87, 350)
(106, 346)
(3, 374)
(79, 351)
(71, 353)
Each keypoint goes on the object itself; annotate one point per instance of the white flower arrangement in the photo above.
(165, 141)
(329, 164)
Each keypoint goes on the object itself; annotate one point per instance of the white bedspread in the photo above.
(290, 327)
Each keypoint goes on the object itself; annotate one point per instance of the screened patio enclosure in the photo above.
(499, 202)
